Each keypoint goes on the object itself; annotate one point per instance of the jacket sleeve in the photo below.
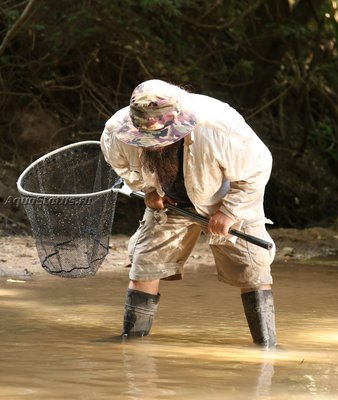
(124, 159)
(246, 163)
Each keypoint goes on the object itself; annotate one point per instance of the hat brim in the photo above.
(182, 126)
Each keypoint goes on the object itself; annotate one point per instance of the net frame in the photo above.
(31, 199)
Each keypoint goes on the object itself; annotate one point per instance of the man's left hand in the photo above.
(219, 224)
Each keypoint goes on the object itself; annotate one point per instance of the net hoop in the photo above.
(25, 192)
(68, 197)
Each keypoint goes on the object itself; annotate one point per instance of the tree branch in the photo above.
(268, 104)
(19, 23)
(227, 24)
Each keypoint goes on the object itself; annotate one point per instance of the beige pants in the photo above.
(164, 241)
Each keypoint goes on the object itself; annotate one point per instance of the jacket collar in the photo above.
(189, 139)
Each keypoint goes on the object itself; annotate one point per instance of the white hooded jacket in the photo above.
(226, 165)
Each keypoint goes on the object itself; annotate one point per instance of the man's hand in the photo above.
(219, 224)
(156, 202)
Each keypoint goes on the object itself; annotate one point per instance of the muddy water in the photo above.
(57, 340)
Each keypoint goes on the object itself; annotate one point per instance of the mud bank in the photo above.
(18, 255)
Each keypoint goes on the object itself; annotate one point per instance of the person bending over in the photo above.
(195, 152)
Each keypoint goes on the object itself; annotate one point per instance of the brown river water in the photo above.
(58, 339)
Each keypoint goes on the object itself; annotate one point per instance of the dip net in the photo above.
(68, 198)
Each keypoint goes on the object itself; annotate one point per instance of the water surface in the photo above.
(59, 340)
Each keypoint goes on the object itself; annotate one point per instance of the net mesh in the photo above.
(69, 202)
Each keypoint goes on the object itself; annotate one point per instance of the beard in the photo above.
(162, 161)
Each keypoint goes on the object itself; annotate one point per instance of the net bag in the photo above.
(69, 202)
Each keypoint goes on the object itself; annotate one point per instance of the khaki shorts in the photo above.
(164, 241)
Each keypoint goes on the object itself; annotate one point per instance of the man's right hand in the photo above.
(156, 202)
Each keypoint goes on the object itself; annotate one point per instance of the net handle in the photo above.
(125, 190)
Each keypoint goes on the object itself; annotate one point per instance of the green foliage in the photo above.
(11, 15)
(80, 60)
(169, 8)
(246, 67)
(324, 135)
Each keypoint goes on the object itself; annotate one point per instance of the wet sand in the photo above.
(59, 337)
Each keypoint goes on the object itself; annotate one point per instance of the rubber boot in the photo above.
(260, 314)
(139, 313)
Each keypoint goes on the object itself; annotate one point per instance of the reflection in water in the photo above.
(59, 340)
(146, 379)
(264, 381)
(141, 371)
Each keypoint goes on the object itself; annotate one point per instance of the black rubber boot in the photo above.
(139, 313)
(260, 314)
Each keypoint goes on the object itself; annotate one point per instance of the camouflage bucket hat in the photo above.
(158, 115)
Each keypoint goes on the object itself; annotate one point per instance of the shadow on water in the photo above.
(59, 340)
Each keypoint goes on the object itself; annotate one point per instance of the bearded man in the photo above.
(198, 153)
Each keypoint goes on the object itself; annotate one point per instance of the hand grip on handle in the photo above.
(249, 238)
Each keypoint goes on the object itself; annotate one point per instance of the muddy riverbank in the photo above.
(18, 255)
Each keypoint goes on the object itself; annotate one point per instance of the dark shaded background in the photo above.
(66, 67)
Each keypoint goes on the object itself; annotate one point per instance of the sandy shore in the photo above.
(19, 258)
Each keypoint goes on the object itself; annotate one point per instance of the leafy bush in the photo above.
(76, 63)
